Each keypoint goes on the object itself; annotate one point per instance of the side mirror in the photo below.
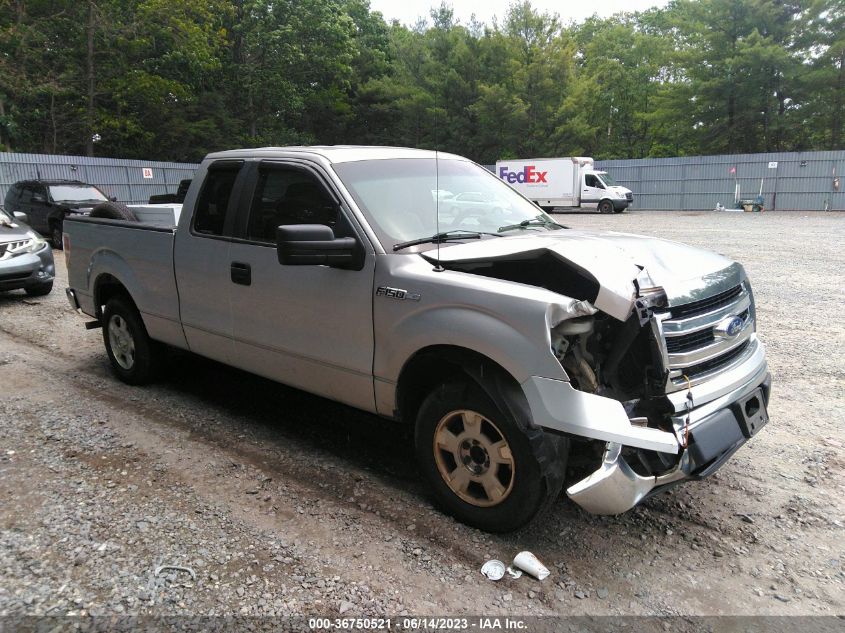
(21, 216)
(315, 244)
(112, 198)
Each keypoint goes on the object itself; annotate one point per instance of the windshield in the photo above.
(400, 199)
(607, 178)
(76, 193)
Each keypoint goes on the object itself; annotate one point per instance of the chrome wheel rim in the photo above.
(474, 458)
(121, 342)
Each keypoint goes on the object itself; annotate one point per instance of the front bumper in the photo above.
(27, 270)
(713, 438)
(714, 430)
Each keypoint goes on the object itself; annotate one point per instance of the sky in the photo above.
(407, 11)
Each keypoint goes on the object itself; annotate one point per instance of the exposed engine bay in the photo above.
(601, 354)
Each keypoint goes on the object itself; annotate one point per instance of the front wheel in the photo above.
(134, 356)
(486, 468)
(56, 235)
(39, 290)
(605, 206)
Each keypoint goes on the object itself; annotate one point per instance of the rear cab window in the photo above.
(212, 208)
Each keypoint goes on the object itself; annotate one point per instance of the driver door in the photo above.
(311, 326)
(591, 192)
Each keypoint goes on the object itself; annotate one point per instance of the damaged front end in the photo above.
(676, 371)
(666, 377)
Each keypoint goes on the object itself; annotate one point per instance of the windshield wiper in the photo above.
(538, 221)
(446, 236)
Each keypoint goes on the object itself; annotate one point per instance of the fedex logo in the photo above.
(528, 175)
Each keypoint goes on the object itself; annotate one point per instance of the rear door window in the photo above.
(214, 200)
(11, 197)
(26, 194)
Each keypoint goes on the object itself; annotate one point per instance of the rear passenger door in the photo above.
(306, 326)
(24, 204)
(201, 263)
(40, 208)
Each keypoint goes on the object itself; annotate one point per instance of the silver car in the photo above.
(26, 260)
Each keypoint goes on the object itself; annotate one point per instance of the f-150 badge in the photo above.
(396, 293)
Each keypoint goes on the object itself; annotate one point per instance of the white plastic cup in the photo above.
(527, 562)
(493, 569)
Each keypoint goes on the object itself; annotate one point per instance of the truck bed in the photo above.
(139, 255)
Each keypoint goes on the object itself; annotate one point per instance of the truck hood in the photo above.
(612, 266)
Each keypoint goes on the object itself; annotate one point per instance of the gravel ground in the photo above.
(270, 501)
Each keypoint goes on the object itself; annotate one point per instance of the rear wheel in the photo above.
(134, 357)
(605, 206)
(486, 468)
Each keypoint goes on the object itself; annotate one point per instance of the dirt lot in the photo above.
(283, 503)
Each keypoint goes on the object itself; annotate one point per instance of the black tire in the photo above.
(40, 290)
(139, 365)
(56, 235)
(113, 211)
(605, 206)
(533, 480)
(548, 209)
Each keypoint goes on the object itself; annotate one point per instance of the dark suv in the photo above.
(47, 202)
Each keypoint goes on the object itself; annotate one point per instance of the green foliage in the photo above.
(175, 79)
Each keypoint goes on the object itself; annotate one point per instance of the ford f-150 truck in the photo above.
(528, 357)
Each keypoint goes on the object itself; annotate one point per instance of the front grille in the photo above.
(691, 346)
(706, 367)
(629, 197)
(706, 305)
(688, 342)
(10, 247)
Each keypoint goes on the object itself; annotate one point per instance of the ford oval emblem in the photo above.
(729, 327)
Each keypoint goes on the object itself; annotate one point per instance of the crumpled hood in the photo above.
(614, 260)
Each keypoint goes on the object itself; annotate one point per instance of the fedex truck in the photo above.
(565, 182)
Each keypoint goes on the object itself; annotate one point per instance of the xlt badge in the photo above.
(397, 293)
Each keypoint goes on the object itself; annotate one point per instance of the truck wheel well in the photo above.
(107, 287)
(433, 366)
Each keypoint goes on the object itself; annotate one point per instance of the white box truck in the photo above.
(565, 182)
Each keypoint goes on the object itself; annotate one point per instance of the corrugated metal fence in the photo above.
(801, 181)
(116, 177)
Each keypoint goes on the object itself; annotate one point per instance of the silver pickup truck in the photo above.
(528, 356)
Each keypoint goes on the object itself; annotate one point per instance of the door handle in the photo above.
(241, 273)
